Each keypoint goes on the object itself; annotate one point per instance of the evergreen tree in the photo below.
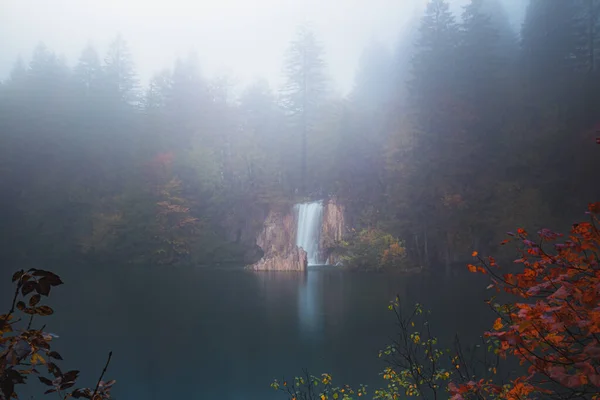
(120, 77)
(549, 45)
(88, 71)
(261, 139)
(484, 75)
(591, 13)
(18, 73)
(434, 63)
(402, 63)
(157, 94)
(374, 78)
(437, 125)
(478, 50)
(304, 92)
(362, 141)
(187, 102)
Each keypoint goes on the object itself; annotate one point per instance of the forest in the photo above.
(465, 129)
(468, 139)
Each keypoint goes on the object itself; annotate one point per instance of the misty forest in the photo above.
(219, 238)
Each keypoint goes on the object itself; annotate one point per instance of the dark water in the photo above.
(203, 334)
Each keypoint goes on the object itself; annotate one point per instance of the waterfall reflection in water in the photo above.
(207, 333)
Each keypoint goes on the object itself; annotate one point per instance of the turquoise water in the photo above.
(204, 334)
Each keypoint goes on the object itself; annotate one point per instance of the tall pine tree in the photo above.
(304, 92)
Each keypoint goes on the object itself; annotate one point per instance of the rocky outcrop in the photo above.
(333, 230)
(241, 225)
(293, 260)
(277, 240)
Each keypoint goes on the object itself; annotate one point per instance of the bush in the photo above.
(373, 249)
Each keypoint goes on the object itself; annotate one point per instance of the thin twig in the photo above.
(102, 375)
(14, 302)
(30, 321)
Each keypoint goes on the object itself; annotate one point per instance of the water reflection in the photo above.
(227, 334)
(310, 315)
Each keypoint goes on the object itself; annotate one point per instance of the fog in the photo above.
(233, 191)
(241, 39)
(237, 37)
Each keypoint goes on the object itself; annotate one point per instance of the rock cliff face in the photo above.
(242, 225)
(278, 242)
(333, 230)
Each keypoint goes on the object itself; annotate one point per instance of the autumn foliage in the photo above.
(550, 324)
(373, 249)
(26, 351)
(553, 328)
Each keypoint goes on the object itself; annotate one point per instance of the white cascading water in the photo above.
(310, 219)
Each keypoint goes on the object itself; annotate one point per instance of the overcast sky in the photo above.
(244, 38)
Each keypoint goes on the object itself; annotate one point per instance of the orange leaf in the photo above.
(472, 268)
(498, 324)
(594, 207)
(474, 254)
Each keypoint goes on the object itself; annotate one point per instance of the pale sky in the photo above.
(243, 38)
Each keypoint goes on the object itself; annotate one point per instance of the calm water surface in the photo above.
(205, 334)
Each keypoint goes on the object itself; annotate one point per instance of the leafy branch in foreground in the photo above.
(416, 365)
(25, 351)
(414, 359)
(554, 327)
(310, 387)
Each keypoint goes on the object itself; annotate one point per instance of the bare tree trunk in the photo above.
(447, 255)
(426, 248)
(592, 33)
(304, 122)
(419, 258)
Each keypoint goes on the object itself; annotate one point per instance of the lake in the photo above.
(204, 333)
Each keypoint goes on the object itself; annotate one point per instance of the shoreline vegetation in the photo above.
(549, 324)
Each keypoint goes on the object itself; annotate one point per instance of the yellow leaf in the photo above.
(35, 358)
(6, 317)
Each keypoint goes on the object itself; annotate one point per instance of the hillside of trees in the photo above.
(465, 130)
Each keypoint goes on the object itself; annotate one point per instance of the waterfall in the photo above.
(310, 218)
